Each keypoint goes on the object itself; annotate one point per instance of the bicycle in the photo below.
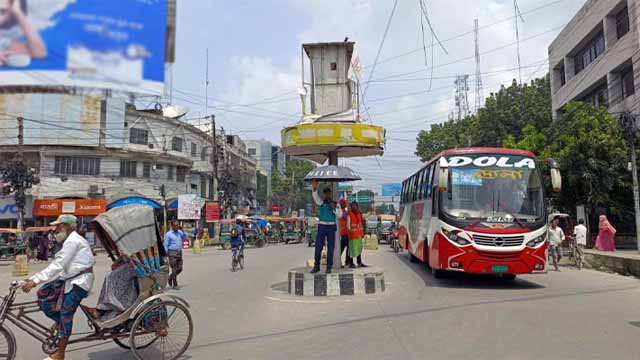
(237, 258)
(576, 254)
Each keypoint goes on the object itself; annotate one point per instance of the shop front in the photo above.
(47, 210)
(9, 212)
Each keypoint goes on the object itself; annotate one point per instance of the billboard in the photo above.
(119, 45)
(190, 207)
(391, 189)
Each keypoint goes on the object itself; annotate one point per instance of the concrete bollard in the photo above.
(21, 266)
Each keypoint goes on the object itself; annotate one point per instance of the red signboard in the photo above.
(212, 211)
(275, 210)
(80, 207)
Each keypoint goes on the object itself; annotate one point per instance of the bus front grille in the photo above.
(498, 241)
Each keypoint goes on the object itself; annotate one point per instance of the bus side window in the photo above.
(434, 186)
(427, 182)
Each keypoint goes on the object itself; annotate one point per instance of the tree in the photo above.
(289, 189)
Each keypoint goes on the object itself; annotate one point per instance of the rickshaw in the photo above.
(293, 230)
(311, 230)
(274, 235)
(253, 233)
(155, 320)
(568, 248)
(385, 233)
(10, 250)
(225, 233)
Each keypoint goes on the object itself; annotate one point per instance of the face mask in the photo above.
(61, 236)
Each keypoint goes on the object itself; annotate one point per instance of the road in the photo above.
(248, 315)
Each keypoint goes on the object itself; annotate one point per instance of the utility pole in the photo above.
(214, 157)
(163, 193)
(479, 96)
(20, 197)
(629, 122)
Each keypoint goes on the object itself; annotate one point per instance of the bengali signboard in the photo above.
(391, 189)
(189, 207)
(117, 45)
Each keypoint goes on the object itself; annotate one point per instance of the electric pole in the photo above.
(629, 122)
(214, 157)
(479, 96)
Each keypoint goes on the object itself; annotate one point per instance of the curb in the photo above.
(346, 282)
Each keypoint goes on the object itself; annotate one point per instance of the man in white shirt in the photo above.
(67, 280)
(580, 232)
(556, 237)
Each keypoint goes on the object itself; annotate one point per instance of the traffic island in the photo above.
(359, 281)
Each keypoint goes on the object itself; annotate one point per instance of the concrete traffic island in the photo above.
(359, 281)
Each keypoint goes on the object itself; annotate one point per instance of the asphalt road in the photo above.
(248, 314)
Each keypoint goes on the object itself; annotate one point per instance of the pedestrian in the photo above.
(328, 213)
(344, 233)
(33, 247)
(67, 280)
(606, 235)
(355, 222)
(580, 233)
(556, 237)
(173, 245)
(44, 241)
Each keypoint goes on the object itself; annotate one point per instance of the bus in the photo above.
(477, 210)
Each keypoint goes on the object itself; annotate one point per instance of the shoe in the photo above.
(315, 270)
(329, 271)
(362, 265)
(352, 266)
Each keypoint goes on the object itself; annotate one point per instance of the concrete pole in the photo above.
(636, 195)
(337, 255)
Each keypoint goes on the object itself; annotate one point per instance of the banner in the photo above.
(117, 45)
(189, 207)
(391, 189)
(275, 210)
(212, 211)
(79, 207)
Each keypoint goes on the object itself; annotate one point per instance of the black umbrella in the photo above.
(332, 173)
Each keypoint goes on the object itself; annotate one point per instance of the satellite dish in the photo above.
(175, 111)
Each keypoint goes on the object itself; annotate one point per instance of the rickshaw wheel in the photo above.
(8, 347)
(226, 245)
(169, 326)
(49, 347)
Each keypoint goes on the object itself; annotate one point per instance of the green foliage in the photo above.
(290, 191)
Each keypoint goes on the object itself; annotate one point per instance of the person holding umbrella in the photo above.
(327, 226)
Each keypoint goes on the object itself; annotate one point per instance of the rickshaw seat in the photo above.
(146, 288)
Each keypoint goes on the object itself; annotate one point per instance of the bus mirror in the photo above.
(443, 180)
(556, 180)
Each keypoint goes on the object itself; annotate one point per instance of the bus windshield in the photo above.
(494, 188)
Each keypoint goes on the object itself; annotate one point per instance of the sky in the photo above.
(254, 62)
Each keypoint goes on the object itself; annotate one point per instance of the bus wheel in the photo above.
(509, 277)
(437, 273)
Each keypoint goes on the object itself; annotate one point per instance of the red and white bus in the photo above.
(477, 210)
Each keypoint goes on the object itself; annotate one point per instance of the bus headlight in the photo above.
(456, 237)
(536, 241)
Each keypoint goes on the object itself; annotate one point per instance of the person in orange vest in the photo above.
(344, 233)
(355, 223)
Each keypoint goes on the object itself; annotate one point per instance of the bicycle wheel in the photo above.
(241, 261)
(234, 264)
(8, 347)
(170, 324)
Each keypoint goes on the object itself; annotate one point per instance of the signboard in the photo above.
(134, 200)
(189, 207)
(275, 210)
(294, 214)
(9, 210)
(212, 211)
(391, 189)
(88, 43)
(345, 186)
(79, 207)
(301, 213)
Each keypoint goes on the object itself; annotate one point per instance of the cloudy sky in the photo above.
(254, 61)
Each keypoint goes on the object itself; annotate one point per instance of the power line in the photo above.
(384, 37)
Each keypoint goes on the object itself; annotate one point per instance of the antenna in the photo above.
(479, 96)
(516, 9)
(461, 97)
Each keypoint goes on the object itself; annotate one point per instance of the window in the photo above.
(159, 167)
(146, 170)
(138, 136)
(622, 22)
(169, 172)
(334, 66)
(561, 75)
(627, 83)
(598, 97)
(426, 185)
(67, 165)
(176, 144)
(194, 150)
(203, 154)
(181, 174)
(589, 53)
(252, 152)
(128, 168)
(203, 186)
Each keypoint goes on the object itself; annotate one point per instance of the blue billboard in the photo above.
(118, 45)
(391, 189)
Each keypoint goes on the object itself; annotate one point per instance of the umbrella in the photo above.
(332, 173)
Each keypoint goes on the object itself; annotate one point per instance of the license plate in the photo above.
(499, 268)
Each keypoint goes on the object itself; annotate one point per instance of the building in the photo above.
(105, 150)
(269, 157)
(595, 57)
